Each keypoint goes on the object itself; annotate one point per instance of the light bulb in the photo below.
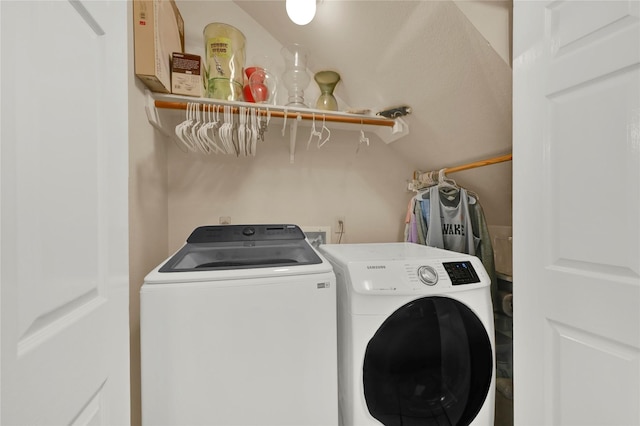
(301, 12)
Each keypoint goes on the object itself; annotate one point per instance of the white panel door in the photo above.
(577, 212)
(63, 213)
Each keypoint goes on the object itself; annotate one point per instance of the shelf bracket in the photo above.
(152, 114)
(292, 141)
(400, 129)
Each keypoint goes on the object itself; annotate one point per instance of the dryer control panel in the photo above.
(461, 272)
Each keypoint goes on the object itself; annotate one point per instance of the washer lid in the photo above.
(243, 233)
(242, 247)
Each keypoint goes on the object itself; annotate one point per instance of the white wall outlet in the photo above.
(225, 220)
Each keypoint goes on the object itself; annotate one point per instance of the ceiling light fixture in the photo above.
(301, 12)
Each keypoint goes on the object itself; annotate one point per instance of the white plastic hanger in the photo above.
(254, 131)
(447, 186)
(264, 120)
(211, 126)
(242, 130)
(324, 129)
(314, 132)
(200, 143)
(182, 129)
(226, 130)
(363, 138)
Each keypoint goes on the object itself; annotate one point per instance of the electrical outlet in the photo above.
(339, 225)
(225, 220)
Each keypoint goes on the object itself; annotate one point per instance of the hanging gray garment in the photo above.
(485, 250)
(449, 225)
(420, 223)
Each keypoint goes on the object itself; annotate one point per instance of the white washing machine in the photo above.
(239, 328)
(415, 336)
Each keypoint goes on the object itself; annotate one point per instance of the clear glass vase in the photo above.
(295, 77)
(327, 81)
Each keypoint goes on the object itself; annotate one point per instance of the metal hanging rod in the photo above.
(282, 112)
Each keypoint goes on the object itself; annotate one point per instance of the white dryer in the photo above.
(239, 328)
(415, 336)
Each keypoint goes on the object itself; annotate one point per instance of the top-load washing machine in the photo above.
(415, 336)
(239, 328)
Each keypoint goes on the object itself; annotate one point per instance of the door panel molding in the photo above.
(50, 324)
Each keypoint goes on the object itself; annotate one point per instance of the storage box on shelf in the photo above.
(158, 32)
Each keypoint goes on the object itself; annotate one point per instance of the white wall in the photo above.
(365, 187)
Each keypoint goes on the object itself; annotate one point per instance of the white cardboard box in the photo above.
(158, 32)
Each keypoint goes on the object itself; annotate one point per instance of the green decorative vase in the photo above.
(327, 81)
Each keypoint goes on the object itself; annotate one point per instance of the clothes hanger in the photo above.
(183, 129)
(200, 143)
(314, 132)
(363, 138)
(254, 130)
(264, 123)
(324, 129)
(242, 131)
(226, 130)
(447, 186)
(450, 188)
(213, 124)
(446, 182)
(202, 130)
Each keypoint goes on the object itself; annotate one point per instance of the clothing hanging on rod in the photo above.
(447, 216)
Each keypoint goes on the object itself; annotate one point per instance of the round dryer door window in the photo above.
(429, 363)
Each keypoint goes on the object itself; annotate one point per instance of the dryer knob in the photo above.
(428, 275)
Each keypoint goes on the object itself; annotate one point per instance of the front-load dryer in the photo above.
(239, 328)
(415, 336)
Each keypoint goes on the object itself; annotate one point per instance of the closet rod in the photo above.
(481, 163)
(475, 164)
(293, 114)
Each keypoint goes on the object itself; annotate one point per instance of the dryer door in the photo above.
(429, 363)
